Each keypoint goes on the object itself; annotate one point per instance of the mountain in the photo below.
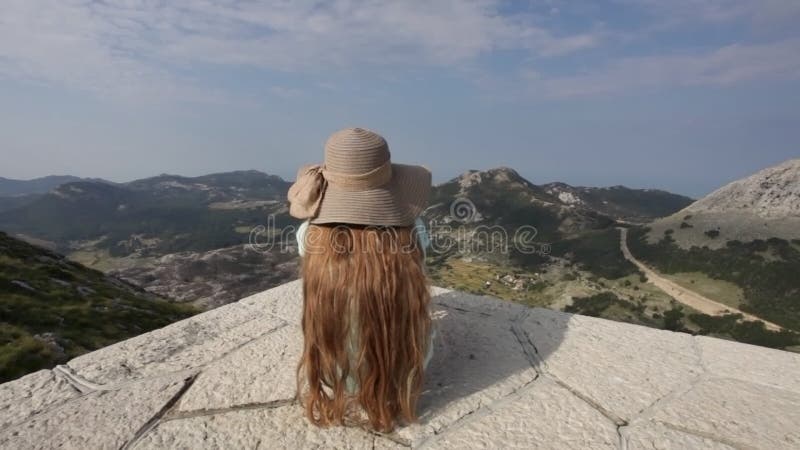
(151, 217)
(184, 237)
(503, 197)
(9, 187)
(762, 206)
(213, 278)
(54, 309)
(620, 202)
(12, 188)
(741, 244)
(10, 202)
(187, 238)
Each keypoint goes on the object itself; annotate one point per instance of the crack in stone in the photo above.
(150, 424)
(529, 349)
(396, 439)
(80, 383)
(699, 354)
(481, 410)
(179, 415)
(246, 343)
(701, 434)
(648, 411)
(615, 419)
(464, 310)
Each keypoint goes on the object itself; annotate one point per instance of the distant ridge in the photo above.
(41, 185)
(616, 202)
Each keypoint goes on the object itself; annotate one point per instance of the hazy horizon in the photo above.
(684, 96)
(437, 179)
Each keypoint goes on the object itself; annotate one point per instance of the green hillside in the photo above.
(766, 270)
(52, 309)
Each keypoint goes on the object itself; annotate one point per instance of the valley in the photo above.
(635, 255)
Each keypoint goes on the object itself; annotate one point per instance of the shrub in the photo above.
(597, 252)
(672, 319)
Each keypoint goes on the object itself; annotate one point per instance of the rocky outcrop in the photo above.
(761, 206)
(770, 193)
(503, 375)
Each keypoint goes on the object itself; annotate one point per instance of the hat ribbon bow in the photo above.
(305, 195)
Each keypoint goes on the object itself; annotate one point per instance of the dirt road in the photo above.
(689, 298)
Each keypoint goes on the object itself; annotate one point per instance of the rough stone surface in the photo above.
(750, 363)
(268, 428)
(745, 414)
(284, 302)
(502, 375)
(23, 398)
(622, 372)
(656, 436)
(539, 417)
(101, 419)
(183, 345)
(476, 362)
(259, 373)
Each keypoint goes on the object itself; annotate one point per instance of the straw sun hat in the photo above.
(359, 184)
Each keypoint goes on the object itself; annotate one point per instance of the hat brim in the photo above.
(397, 203)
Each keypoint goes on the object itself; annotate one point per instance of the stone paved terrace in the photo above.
(503, 376)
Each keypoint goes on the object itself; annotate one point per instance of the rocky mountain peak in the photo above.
(498, 175)
(770, 193)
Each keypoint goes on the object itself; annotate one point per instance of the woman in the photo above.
(366, 324)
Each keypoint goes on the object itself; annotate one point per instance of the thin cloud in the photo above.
(148, 49)
(728, 65)
(140, 47)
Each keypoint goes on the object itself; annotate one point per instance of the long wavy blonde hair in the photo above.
(365, 324)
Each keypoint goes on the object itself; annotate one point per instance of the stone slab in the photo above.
(187, 344)
(750, 363)
(260, 372)
(621, 368)
(267, 428)
(544, 415)
(102, 419)
(477, 360)
(746, 414)
(481, 388)
(284, 302)
(32, 394)
(652, 435)
(503, 310)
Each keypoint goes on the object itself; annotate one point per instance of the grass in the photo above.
(722, 291)
(597, 252)
(770, 286)
(472, 276)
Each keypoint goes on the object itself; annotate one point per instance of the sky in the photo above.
(682, 95)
